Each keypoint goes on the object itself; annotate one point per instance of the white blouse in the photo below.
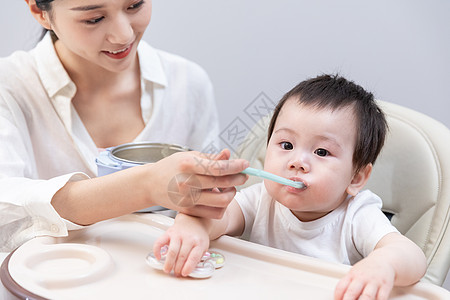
(44, 144)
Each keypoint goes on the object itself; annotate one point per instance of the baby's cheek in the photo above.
(272, 188)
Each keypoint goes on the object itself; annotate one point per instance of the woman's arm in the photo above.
(185, 182)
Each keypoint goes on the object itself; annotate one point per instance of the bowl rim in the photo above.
(140, 145)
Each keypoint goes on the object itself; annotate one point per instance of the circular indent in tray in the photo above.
(63, 265)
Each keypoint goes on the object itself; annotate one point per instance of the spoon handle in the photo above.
(273, 177)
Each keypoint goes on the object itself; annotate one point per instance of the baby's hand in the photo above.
(187, 240)
(367, 279)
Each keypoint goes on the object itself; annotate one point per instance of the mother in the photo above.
(91, 83)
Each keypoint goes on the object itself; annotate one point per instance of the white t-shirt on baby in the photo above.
(345, 235)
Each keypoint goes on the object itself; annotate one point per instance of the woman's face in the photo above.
(99, 32)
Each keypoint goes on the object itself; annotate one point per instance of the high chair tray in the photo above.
(107, 261)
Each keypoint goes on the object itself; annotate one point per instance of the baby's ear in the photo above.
(359, 180)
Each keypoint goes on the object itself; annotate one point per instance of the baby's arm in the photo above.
(189, 237)
(396, 260)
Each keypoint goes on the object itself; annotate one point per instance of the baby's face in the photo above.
(314, 146)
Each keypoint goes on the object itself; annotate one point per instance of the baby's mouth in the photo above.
(299, 180)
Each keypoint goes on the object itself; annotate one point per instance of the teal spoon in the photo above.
(273, 177)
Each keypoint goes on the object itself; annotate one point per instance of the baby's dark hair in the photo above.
(335, 92)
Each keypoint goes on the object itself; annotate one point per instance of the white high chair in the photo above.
(411, 175)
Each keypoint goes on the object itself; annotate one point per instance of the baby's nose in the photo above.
(300, 165)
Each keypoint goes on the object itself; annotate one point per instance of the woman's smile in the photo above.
(119, 54)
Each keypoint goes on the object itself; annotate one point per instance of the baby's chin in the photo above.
(275, 190)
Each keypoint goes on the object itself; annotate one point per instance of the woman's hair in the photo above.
(335, 92)
(44, 5)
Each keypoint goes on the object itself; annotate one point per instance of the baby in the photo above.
(327, 133)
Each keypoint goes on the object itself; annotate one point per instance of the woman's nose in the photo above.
(121, 31)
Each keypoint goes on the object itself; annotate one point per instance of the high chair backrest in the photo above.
(411, 175)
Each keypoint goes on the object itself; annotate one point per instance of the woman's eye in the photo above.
(286, 146)
(321, 152)
(136, 5)
(94, 21)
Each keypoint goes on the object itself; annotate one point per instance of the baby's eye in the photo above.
(286, 145)
(321, 152)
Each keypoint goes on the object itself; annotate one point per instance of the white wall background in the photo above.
(399, 50)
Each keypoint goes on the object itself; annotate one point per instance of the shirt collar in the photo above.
(51, 71)
(151, 65)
